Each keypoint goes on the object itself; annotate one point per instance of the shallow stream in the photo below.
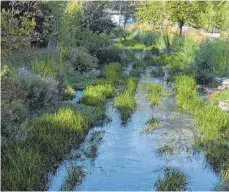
(128, 158)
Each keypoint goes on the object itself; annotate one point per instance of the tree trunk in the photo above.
(181, 24)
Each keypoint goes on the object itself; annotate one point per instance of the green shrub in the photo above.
(154, 93)
(45, 67)
(112, 72)
(81, 60)
(147, 39)
(173, 180)
(40, 90)
(213, 58)
(96, 95)
(109, 54)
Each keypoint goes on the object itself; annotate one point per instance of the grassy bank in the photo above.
(211, 123)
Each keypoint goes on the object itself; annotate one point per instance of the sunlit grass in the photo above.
(125, 101)
(96, 95)
(69, 92)
(154, 93)
(47, 139)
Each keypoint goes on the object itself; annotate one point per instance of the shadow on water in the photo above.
(129, 159)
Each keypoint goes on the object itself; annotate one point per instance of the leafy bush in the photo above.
(40, 90)
(173, 180)
(96, 95)
(213, 58)
(109, 54)
(81, 60)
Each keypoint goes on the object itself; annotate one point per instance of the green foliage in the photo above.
(109, 54)
(40, 90)
(187, 94)
(55, 134)
(69, 92)
(96, 95)
(125, 100)
(112, 72)
(45, 67)
(16, 31)
(224, 95)
(151, 125)
(154, 93)
(158, 72)
(173, 180)
(22, 169)
(95, 114)
(80, 81)
(212, 122)
(213, 58)
(82, 60)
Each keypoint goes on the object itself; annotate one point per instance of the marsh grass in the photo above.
(45, 142)
(173, 180)
(151, 125)
(75, 176)
(125, 100)
(69, 92)
(112, 73)
(95, 114)
(96, 95)
(154, 93)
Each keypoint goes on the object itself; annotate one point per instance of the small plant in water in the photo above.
(151, 125)
(173, 180)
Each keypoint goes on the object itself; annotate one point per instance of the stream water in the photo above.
(128, 158)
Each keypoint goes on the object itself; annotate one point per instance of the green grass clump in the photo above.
(125, 101)
(46, 140)
(21, 169)
(212, 122)
(151, 125)
(96, 95)
(95, 114)
(154, 93)
(187, 94)
(173, 180)
(69, 92)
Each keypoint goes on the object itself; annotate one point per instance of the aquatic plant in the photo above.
(125, 100)
(96, 95)
(154, 93)
(173, 180)
(151, 124)
(112, 73)
(69, 92)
